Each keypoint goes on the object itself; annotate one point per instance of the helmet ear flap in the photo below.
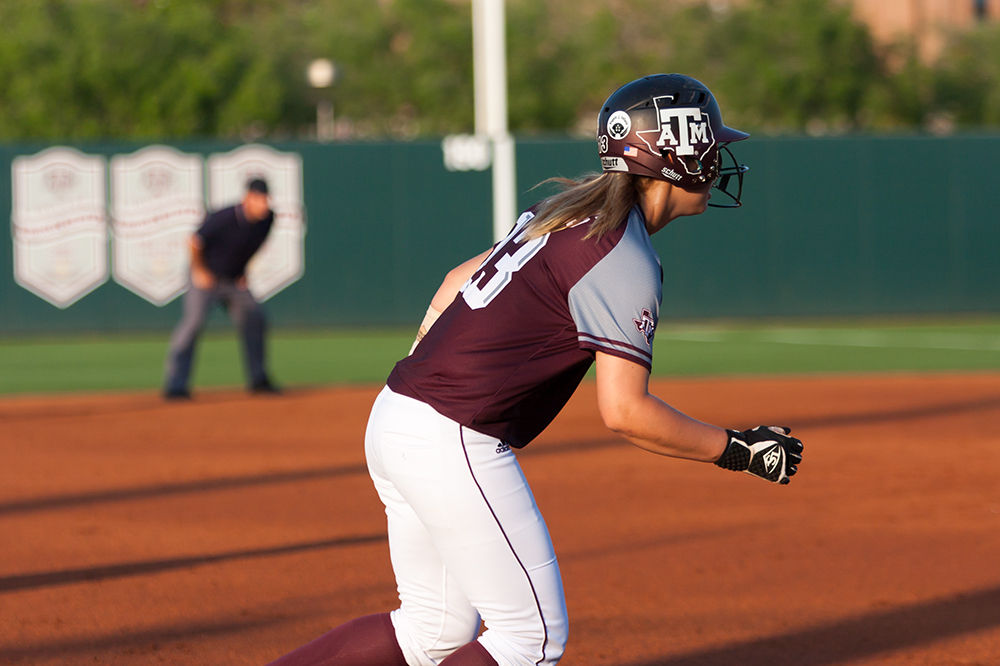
(700, 170)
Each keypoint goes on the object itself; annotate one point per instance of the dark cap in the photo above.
(257, 185)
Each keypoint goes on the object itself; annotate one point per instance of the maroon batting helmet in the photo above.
(669, 127)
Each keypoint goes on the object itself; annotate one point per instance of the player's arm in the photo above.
(628, 408)
(447, 292)
(454, 280)
(201, 276)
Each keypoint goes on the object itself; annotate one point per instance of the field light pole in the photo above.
(321, 75)
(489, 51)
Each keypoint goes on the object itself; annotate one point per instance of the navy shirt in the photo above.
(511, 349)
(229, 240)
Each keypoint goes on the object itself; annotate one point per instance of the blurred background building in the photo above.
(926, 21)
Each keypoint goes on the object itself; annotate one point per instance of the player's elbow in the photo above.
(618, 415)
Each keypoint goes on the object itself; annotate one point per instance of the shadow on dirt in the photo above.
(75, 500)
(178, 488)
(149, 640)
(109, 571)
(854, 638)
(900, 414)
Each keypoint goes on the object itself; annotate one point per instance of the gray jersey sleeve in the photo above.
(617, 303)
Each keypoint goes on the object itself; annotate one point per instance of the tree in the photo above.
(794, 65)
(168, 69)
(965, 80)
(405, 65)
(106, 68)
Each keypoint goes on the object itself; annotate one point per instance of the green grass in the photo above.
(118, 362)
(298, 358)
(754, 349)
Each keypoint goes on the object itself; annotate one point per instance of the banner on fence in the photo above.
(157, 201)
(59, 224)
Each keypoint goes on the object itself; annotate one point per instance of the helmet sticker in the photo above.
(670, 173)
(619, 125)
(685, 131)
(613, 164)
(602, 144)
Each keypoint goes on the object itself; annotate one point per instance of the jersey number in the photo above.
(498, 269)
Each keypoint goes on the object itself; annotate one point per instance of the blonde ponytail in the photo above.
(607, 198)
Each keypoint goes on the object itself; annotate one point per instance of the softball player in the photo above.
(508, 337)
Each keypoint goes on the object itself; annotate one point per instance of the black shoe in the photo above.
(265, 387)
(176, 394)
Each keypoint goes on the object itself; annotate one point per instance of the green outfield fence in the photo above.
(831, 226)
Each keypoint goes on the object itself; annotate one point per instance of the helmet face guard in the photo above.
(669, 127)
(724, 180)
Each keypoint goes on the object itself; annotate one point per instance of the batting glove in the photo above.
(764, 451)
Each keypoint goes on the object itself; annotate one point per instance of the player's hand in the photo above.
(202, 278)
(764, 451)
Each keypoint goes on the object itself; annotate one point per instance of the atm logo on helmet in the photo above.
(684, 130)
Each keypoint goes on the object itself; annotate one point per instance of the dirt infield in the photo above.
(232, 529)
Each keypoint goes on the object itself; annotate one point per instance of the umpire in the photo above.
(220, 250)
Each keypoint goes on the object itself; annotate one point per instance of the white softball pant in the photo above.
(466, 540)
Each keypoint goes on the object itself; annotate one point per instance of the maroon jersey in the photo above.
(510, 350)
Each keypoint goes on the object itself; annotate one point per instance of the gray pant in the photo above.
(246, 314)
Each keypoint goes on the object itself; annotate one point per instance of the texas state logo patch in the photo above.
(646, 325)
(685, 131)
